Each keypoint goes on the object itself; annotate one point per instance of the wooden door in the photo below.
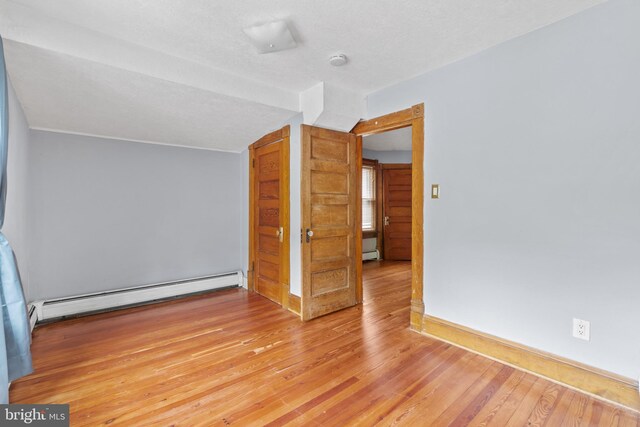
(329, 218)
(396, 183)
(270, 216)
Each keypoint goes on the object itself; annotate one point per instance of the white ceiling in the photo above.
(96, 99)
(395, 140)
(192, 56)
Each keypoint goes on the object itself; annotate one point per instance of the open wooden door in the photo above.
(329, 201)
(396, 183)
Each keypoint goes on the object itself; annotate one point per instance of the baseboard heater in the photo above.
(53, 309)
(33, 316)
(370, 255)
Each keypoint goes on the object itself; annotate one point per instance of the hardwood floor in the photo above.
(234, 358)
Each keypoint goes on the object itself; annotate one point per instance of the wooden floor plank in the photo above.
(235, 358)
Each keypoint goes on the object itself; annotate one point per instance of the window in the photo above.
(369, 196)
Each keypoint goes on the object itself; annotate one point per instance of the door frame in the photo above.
(413, 117)
(279, 136)
(378, 233)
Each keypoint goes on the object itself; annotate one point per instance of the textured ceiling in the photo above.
(395, 140)
(78, 96)
(198, 48)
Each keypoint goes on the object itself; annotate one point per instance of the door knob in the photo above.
(280, 233)
(309, 234)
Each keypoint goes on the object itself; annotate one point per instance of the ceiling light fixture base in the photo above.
(271, 37)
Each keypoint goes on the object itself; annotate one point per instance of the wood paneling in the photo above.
(269, 216)
(609, 386)
(358, 221)
(330, 212)
(396, 182)
(234, 358)
(417, 216)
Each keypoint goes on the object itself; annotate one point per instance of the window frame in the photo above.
(373, 164)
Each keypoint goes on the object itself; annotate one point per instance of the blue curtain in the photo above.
(15, 336)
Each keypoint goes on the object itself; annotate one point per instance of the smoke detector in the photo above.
(338, 60)
(271, 37)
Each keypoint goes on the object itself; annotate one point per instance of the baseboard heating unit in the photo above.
(75, 305)
(366, 256)
(33, 316)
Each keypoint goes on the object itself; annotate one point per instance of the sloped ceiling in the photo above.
(93, 98)
(183, 72)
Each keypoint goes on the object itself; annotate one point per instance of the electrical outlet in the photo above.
(581, 329)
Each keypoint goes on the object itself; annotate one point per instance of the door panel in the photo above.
(329, 187)
(396, 184)
(267, 265)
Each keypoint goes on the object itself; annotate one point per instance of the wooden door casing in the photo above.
(329, 211)
(413, 117)
(269, 216)
(396, 183)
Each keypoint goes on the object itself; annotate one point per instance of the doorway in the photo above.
(396, 211)
(269, 217)
(331, 217)
(411, 118)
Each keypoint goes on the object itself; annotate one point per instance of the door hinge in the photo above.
(253, 163)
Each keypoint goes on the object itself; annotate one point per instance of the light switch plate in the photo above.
(435, 191)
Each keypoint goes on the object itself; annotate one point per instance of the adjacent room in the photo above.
(386, 213)
(320, 213)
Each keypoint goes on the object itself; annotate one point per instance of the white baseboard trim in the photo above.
(56, 308)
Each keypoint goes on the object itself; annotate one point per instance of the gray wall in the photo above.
(388, 156)
(536, 145)
(108, 214)
(244, 159)
(15, 224)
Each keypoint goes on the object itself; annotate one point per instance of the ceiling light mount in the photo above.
(338, 60)
(271, 37)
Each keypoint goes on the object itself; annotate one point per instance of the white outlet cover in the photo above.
(582, 329)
